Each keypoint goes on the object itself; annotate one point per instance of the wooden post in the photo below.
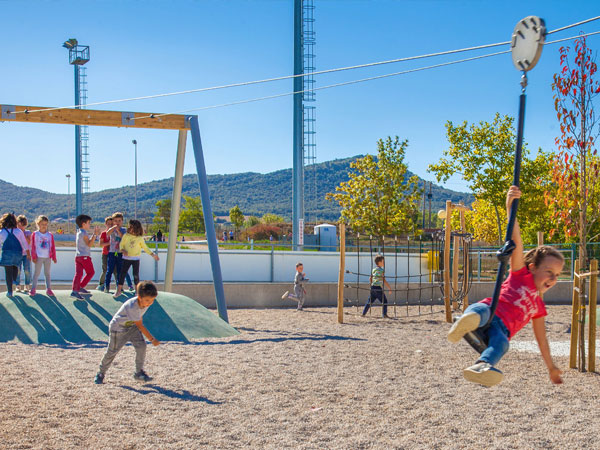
(540, 239)
(447, 287)
(592, 321)
(574, 319)
(455, 261)
(340, 296)
(466, 270)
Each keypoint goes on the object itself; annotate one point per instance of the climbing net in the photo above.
(412, 268)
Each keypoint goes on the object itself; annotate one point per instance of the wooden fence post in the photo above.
(340, 296)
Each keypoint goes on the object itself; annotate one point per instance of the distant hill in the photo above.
(255, 193)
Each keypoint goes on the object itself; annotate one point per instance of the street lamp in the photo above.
(68, 199)
(134, 142)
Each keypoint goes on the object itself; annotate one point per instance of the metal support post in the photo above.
(298, 150)
(175, 209)
(211, 236)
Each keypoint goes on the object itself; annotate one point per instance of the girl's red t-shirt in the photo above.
(519, 301)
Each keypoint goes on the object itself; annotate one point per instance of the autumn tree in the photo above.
(379, 198)
(575, 203)
(236, 217)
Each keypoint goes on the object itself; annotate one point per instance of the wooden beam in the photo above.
(92, 117)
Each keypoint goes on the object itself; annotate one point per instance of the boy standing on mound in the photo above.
(299, 291)
(126, 326)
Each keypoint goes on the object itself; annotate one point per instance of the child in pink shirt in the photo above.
(519, 302)
(43, 251)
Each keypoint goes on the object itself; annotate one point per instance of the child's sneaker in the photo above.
(84, 291)
(142, 376)
(32, 292)
(117, 294)
(466, 322)
(99, 378)
(49, 293)
(26, 288)
(131, 288)
(284, 296)
(77, 295)
(19, 288)
(483, 373)
(100, 288)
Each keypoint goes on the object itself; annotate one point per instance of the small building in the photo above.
(326, 237)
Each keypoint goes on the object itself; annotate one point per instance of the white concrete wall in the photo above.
(255, 266)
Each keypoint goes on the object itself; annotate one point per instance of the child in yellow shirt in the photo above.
(132, 244)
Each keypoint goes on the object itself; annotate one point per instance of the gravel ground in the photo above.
(297, 380)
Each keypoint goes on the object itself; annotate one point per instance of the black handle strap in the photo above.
(504, 253)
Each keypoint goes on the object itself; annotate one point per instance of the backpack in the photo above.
(12, 251)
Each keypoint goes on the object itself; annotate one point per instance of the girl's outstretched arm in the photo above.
(539, 330)
(517, 261)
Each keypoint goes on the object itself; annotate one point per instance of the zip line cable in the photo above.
(286, 77)
(240, 102)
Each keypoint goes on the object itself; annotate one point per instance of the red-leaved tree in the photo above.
(575, 198)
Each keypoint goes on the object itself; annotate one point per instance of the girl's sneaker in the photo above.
(19, 288)
(483, 373)
(49, 293)
(466, 323)
(100, 288)
(32, 292)
(131, 288)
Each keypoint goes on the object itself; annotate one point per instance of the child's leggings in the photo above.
(82, 263)
(127, 263)
(12, 272)
(497, 334)
(46, 262)
(26, 265)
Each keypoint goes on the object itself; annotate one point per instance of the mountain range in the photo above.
(255, 193)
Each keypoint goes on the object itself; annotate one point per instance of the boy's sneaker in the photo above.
(84, 291)
(466, 323)
(49, 293)
(131, 288)
(77, 295)
(284, 296)
(99, 378)
(483, 373)
(32, 292)
(100, 288)
(19, 288)
(142, 376)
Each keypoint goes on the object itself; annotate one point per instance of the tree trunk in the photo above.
(499, 225)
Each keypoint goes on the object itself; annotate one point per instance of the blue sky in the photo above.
(151, 47)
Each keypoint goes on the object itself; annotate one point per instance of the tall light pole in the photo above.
(68, 199)
(134, 142)
(78, 56)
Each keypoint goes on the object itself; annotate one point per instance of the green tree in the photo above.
(378, 197)
(269, 218)
(163, 212)
(483, 155)
(251, 221)
(192, 217)
(236, 217)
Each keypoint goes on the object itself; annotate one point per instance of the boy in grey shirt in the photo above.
(127, 326)
(299, 291)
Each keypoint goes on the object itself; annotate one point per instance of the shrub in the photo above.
(262, 231)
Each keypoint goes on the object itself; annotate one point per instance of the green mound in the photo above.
(62, 319)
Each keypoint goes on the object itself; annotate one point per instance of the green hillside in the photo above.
(255, 193)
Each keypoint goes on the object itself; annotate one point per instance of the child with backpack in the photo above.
(13, 243)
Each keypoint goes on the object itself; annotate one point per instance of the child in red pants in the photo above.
(83, 260)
